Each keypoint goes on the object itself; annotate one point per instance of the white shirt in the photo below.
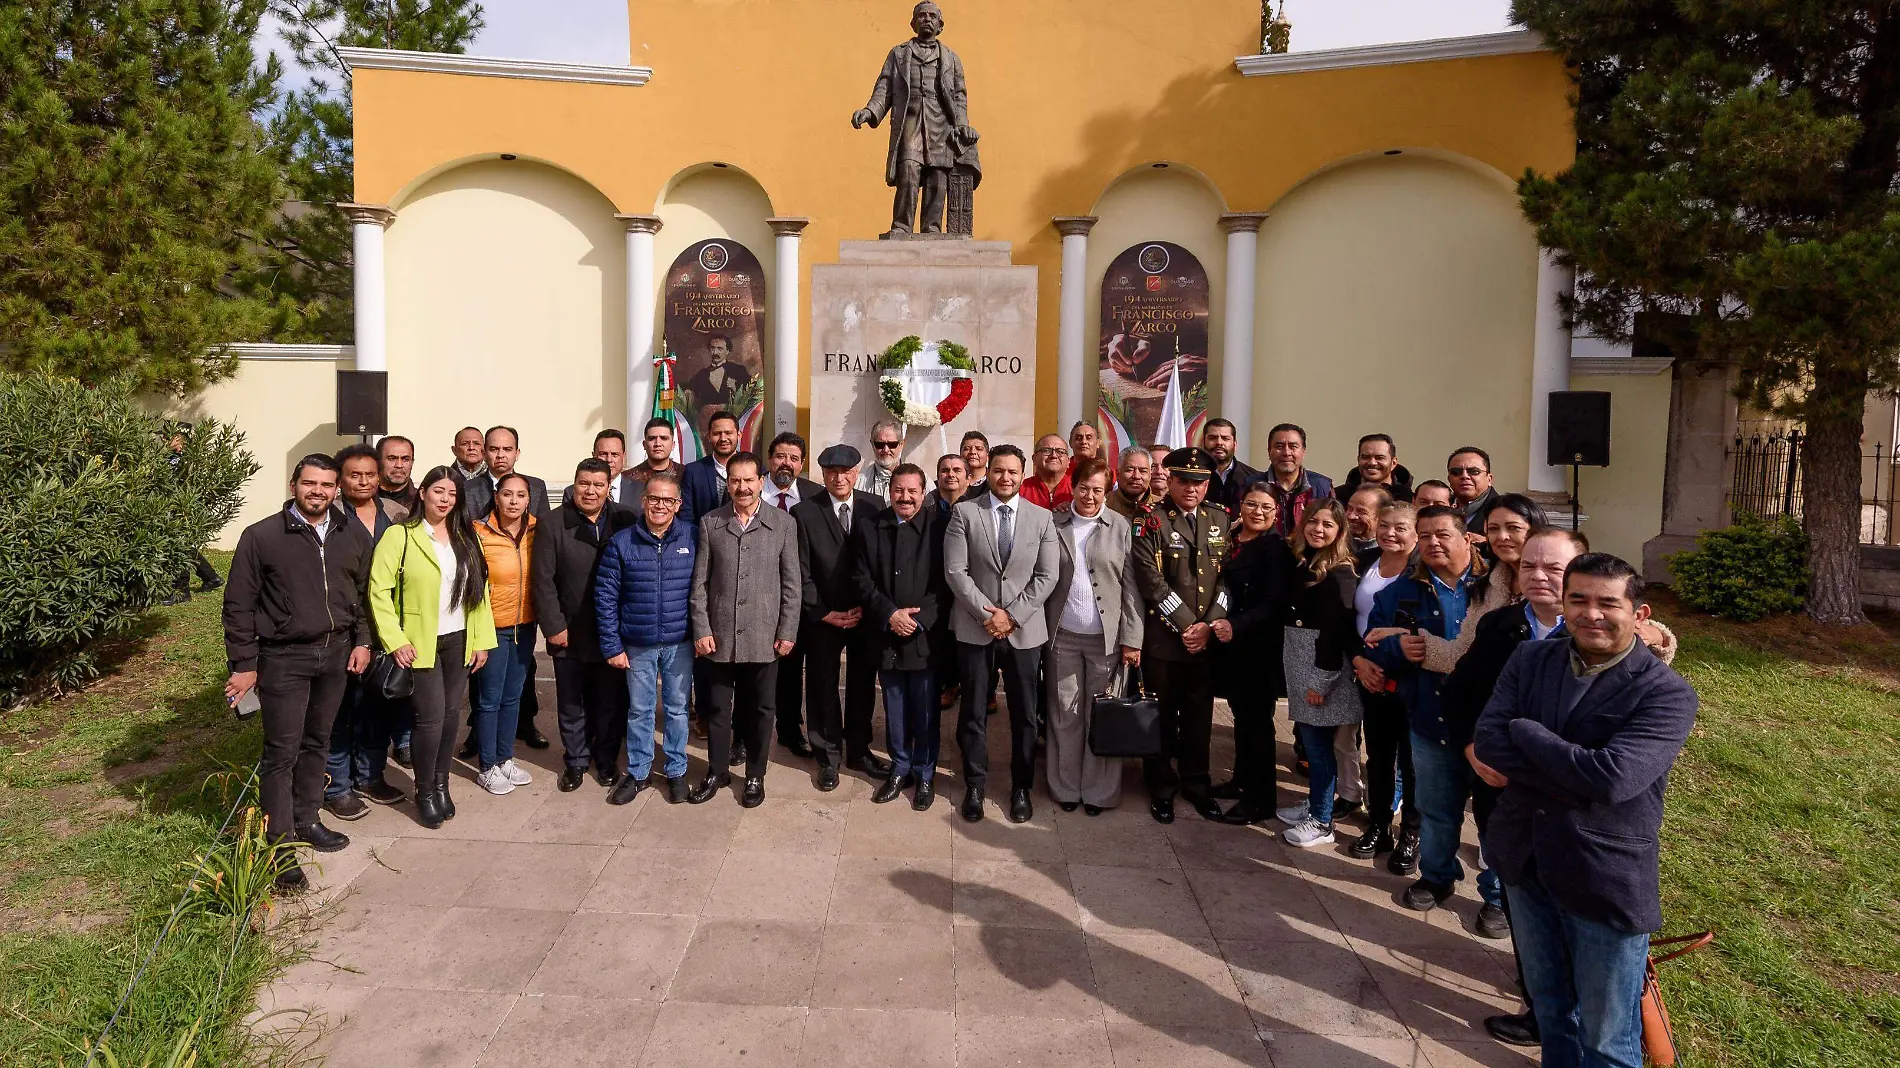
(1080, 613)
(838, 508)
(1014, 507)
(774, 495)
(1369, 586)
(613, 489)
(448, 620)
(321, 527)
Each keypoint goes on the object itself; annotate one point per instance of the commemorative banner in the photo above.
(1153, 345)
(715, 329)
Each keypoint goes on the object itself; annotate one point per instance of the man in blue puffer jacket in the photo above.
(641, 598)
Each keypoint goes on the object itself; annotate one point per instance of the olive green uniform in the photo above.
(1176, 560)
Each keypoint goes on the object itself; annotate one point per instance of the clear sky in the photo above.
(595, 31)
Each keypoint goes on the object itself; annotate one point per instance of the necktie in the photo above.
(844, 517)
(722, 489)
(1005, 535)
(784, 503)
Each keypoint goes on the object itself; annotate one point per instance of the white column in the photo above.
(785, 311)
(1072, 395)
(367, 222)
(1550, 369)
(640, 305)
(1236, 375)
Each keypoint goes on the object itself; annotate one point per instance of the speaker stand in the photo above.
(1576, 496)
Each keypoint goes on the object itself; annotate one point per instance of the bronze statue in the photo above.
(931, 139)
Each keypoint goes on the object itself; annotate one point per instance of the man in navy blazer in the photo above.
(705, 485)
(1580, 735)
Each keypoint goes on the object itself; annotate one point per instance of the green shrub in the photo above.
(1756, 568)
(96, 521)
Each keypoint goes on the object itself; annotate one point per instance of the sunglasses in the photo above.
(1470, 471)
(885, 446)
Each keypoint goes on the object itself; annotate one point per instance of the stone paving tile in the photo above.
(674, 882)
(707, 826)
(626, 955)
(1126, 837)
(598, 823)
(1008, 894)
(1156, 981)
(1312, 987)
(1481, 1054)
(893, 830)
(885, 966)
(437, 1028)
(1013, 971)
(725, 1036)
(1137, 900)
(750, 962)
(892, 890)
(792, 826)
(773, 886)
(1026, 1042)
(365, 942)
(1262, 905)
(1343, 1051)
(536, 875)
(573, 1032)
(421, 871)
(879, 1038)
(480, 949)
(1139, 1046)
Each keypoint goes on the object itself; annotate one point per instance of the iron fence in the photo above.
(1765, 479)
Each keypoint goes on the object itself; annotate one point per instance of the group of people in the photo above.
(1437, 645)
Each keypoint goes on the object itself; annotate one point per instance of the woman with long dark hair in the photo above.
(506, 535)
(428, 591)
(1320, 639)
(1507, 524)
(1256, 574)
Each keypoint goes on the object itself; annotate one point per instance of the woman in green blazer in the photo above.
(442, 629)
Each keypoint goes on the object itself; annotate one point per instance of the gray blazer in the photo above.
(978, 579)
(747, 587)
(1116, 595)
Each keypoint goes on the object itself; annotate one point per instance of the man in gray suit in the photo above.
(1001, 559)
(747, 591)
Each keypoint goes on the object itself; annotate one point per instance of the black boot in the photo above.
(1375, 841)
(428, 808)
(442, 798)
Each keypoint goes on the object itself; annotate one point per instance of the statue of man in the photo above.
(921, 85)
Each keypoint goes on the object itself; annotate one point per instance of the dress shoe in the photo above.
(606, 777)
(1162, 809)
(380, 792)
(322, 839)
(889, 790)
(1492, 922)
(1375, 841)
(1246, 814)
(212, 583)
(1208, 807)
(737, 757)
(827, 778)
(708, 787)
(532, 738)
(405, 757)
(346, 806)
(972, 808)
(798, 747)
(292, 880)
(1343, 807)
(428, 807)
(1227, 791)
(754, 793)
(1068, 806)
(951, 695)
(625, 791)
(1517, 1029)
(699, 728)
(442, 798)
(925, 793)
(177, 598)
(1019, 807)
(676, 790)
(870, 764)
(1091, 810)
(1404, 858)
(571, 780)
(1424, 895)
(469, 750)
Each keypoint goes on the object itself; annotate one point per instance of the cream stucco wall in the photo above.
(1624, 500)
(507, 304)
(1396, 295)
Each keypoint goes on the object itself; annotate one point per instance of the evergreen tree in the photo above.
(308, 246)
(129, 166)
(1737, 166)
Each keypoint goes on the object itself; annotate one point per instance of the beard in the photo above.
(784, 479)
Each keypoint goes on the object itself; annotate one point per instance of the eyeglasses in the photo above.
(884, 446)
(1052, 452)
(664, 502)
(1470, 471)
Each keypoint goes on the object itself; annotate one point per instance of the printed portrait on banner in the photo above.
(1153, 346)
(715, 327)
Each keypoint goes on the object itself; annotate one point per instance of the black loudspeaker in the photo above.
(1579, 430)
(362, 403)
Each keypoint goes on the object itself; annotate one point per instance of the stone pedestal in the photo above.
(1702, 414)
(947, 289)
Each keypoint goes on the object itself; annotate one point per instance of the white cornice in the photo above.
(1619, 365)
(1507, 43)
(258, 350)
(492, 66)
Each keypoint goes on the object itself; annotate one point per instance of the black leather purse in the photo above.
(1124, 721)
(385, 675)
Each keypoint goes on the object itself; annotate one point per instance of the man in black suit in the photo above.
(1580, 734)
(592, 696)
(704, 487)
(834, 625)
(1231, 477)
(624, 487)
(501, 447)
(784, 490)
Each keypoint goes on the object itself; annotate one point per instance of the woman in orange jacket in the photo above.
(506, 535)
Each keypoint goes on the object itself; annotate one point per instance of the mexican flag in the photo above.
(686, 444)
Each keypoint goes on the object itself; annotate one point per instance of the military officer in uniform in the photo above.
(1177, 553)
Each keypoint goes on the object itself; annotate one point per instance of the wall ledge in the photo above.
(258, 350)
(493, 66)
(1620, 365)
(1510, 42)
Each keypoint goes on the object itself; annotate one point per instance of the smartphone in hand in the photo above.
(247, 705)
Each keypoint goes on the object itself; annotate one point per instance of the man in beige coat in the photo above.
(747, 590)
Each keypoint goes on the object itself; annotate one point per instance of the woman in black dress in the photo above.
(1256, 573)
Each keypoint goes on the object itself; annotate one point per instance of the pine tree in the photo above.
(129, 166)
(1737, 166)
(307, 257)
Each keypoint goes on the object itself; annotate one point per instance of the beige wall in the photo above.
(1624, 500)
(1396, 295)
(507, 304)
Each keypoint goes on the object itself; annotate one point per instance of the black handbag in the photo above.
(385, 675)
(1125, 721)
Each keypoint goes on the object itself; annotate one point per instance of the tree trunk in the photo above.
(1830, 485)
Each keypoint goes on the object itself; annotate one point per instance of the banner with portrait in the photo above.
(1153, 345)
(715, 327)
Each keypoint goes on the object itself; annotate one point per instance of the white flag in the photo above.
(1173, 429)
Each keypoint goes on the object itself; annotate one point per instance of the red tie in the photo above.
(784, 505)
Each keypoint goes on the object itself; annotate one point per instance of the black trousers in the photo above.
(591, 710)
(1388, 759)
(1185, 691)
(299, 687)
(207, 575)
(741, 707)
(441, 703)
(791, 692)
(1020, 669)
(837, 731)
(1254, 753)
(530, 702)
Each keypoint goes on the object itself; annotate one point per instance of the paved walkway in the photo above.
(543, 928)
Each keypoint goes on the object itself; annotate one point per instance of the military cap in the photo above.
(840, 456)
(1192, 464)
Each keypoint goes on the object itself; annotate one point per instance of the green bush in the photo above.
(96, 521)
(1756, 568)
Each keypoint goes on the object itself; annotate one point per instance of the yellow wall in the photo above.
(1068, 95)
(1624, 500)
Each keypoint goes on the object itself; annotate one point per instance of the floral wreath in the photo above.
(891, 387)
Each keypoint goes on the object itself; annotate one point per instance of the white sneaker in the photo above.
(495, 781)
(1308, 833)
(514, 772)
(1293, 815)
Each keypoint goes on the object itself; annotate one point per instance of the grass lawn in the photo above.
(103, 806)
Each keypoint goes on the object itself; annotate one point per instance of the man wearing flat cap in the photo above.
(834, 626)
(1177, 553)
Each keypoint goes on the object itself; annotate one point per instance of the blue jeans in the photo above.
(1585, 981)
(911, 722)
(496, 692)
(359, 740)
(656, 675)
(1322, 776)
(1444, 785)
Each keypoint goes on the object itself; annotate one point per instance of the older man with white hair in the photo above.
(887, 448)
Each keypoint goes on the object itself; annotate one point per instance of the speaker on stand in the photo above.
(1579, 437)
(362, 403)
